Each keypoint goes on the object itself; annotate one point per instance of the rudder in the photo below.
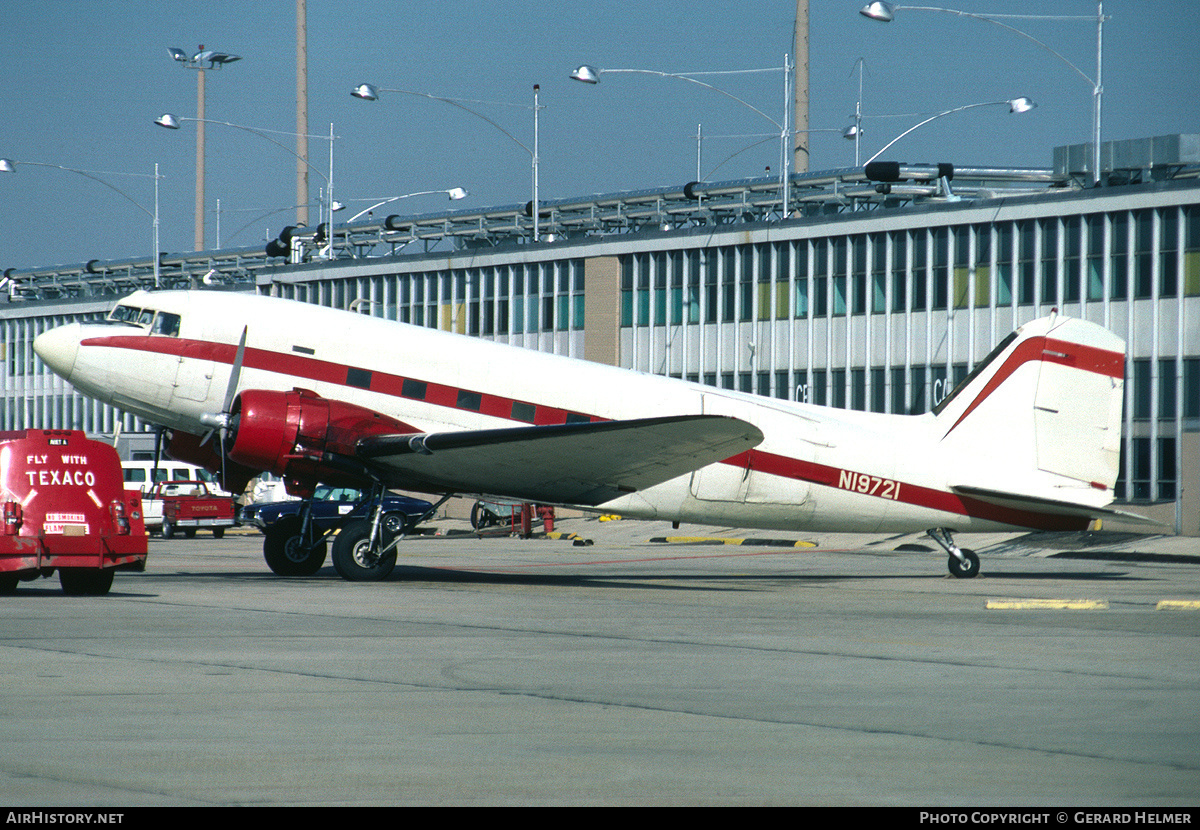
(1041, 415)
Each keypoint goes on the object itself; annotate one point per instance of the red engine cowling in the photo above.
(303, 437)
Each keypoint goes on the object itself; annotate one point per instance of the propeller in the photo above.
(218, 422)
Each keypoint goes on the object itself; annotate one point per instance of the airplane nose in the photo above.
(58, 348)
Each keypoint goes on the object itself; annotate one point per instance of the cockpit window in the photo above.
(167, 324)
(163, 322)
(123, 314)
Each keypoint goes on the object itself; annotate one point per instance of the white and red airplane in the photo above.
(1030, 439)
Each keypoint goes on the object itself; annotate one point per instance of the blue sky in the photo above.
(82, 80)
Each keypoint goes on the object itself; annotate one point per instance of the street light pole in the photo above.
(9, 166)
(172, 122)
(885, 13)
(1016, 105)
(455, 193)
(370, 92)
(591, 75)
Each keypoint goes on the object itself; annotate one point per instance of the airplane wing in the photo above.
(1018, 501)
(582, 464)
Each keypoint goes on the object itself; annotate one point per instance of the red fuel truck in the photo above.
(64, 508)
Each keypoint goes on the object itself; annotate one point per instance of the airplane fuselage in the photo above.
(817, 468)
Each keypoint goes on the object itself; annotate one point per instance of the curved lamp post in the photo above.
(455, 193)
(172, 122)
(370, 92)
(1016, 105)
(9, 166)
(591, 75)
(886, 12)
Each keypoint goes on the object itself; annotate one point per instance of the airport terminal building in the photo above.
(872, 288)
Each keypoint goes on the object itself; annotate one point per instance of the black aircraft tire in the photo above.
(352, 556)
(85, 581)
(284, 553)
(964, 570)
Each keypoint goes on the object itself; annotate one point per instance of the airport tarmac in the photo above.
(503, 671)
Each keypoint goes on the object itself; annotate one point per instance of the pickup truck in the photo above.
(190, 505)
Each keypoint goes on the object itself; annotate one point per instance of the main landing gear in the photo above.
(963, 563)
(365, 549)
(294, 547)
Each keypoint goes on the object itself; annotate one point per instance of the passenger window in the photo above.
(135, 475)
(166, 324)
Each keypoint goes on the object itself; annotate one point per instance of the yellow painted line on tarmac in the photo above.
(1178, 605)
(1047, 604)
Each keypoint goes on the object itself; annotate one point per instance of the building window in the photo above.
(1168, 258)
(1143, 254)
(1191, 387)
(1142, 384)
(1191, 250)
(1119, 256)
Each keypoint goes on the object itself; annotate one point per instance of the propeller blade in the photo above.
(222, 424)
(236, 373)
(219, 421)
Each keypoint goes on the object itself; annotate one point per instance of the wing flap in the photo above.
(583, 464)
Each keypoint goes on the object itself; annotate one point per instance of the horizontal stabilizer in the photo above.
(1018, 501)
(584, 464)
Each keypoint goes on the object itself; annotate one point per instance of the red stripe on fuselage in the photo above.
(905, 492)
(323, 371)
(311, 368)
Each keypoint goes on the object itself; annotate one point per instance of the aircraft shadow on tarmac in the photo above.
(677, 581)
(656, 581)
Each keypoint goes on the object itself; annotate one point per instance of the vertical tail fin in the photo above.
(1041, 415)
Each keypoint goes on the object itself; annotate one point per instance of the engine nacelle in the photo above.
(304, 438)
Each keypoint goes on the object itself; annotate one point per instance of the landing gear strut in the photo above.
(963, 563)
(365, 549)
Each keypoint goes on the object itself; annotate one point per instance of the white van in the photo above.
(142, 476)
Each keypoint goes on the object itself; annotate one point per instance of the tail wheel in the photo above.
(968, 568)
(355, 559)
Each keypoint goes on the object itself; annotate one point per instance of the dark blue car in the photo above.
(331, 504)
(290, 551)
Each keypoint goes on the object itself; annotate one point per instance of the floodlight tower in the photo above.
(215, 60)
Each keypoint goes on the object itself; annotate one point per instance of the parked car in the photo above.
(291, 551)
(331, 504)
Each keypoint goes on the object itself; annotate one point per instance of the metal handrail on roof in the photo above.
(690, 205)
